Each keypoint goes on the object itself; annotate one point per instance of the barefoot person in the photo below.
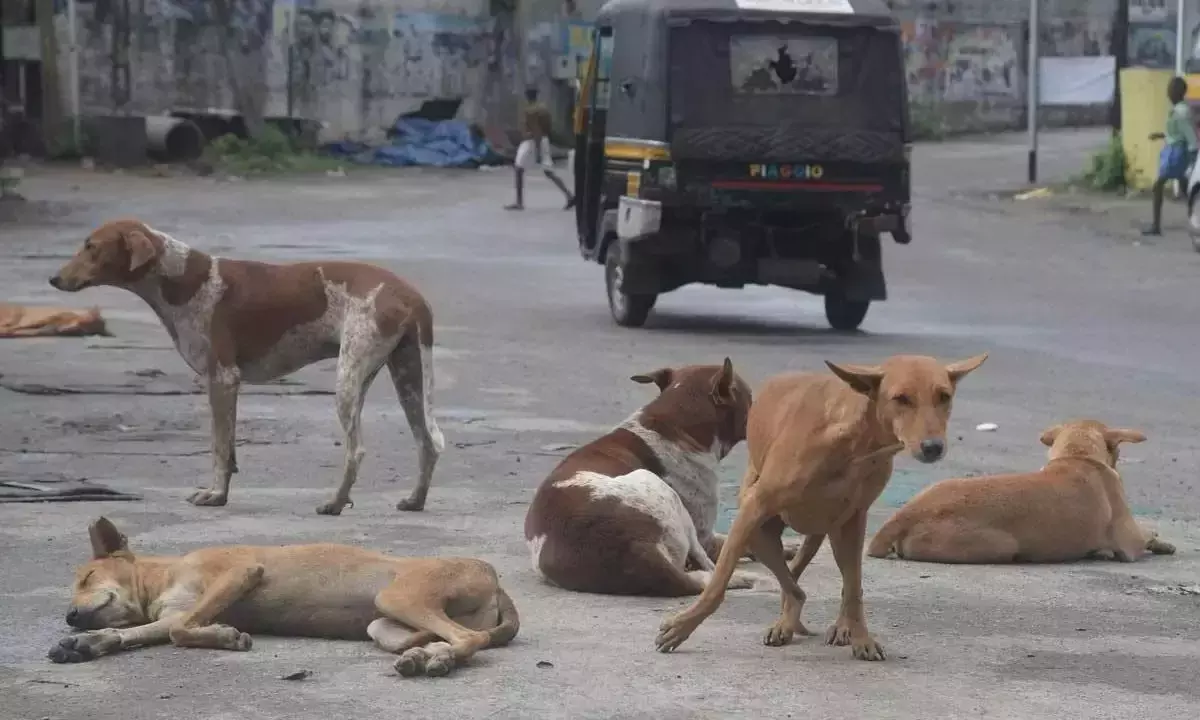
(1179, 148)
(534, 150)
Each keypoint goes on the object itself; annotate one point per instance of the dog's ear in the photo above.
(722, 384)
(1115, 436)
(661, 377)
(1049, 435)
(958, 370)
(862, 378)
(141, 249)
(107, 540)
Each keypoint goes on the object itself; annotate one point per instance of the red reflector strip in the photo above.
(795, 185)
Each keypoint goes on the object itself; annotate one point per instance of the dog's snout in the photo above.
(932, 449)
(56, 282)
(73, 618)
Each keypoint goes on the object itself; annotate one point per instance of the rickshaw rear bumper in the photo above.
(638, 218)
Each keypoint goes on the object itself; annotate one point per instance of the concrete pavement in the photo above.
(528, 363)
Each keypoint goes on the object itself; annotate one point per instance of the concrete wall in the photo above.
(967, 59)
(356, 64)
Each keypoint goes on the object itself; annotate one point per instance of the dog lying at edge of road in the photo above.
(1071, 509)
(436, 613)
(236, 321)
(821, 451)
(631, 511)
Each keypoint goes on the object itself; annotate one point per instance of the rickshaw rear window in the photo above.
(783, 64)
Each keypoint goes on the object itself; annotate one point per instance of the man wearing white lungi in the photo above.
(534, 150)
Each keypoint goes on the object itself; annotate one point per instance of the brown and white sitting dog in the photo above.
(434, 612)
(236, 321)
(626, 513)
(1071, 509)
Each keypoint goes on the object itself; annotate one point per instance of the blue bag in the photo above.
(1173, 162)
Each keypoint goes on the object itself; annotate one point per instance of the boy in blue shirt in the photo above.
(1179, 148)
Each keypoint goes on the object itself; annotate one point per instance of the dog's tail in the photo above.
(886, 542)
(510, 621)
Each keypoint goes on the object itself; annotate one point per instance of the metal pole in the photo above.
(1180, 30)
(1032, 99)
(73, 39)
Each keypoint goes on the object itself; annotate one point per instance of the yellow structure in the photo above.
(1144, 108)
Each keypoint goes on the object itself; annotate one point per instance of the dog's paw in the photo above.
(411, 662)
(837, 635)
(782, 633)
(439, 659)
(240, 641)
(83, 647)
(333, 507)
(1159, 547)
(674, 632)
(868, 650)
(777, 635)
(208, 498)
(411, 505)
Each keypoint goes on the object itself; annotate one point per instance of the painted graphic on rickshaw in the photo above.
(784, 65)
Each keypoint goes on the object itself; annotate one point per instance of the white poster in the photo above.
(812, 6)
(1077, 80)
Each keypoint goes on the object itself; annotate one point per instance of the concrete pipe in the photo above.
(173, 139)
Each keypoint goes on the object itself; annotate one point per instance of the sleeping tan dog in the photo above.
(434, 612)
(821, 447)
(1072, 508)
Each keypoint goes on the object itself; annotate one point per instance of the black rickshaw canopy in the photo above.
(849, 12)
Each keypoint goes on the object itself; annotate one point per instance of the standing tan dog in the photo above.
(627, 513)
(236, 321)
(821, 450)
(1071, 509)
(434, 612)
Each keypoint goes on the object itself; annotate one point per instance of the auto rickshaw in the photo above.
(735, 142)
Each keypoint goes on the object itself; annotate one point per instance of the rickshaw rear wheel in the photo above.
(628, 310)
(844, 313)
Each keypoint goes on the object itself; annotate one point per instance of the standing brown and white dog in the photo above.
(624, 514)
(236, 321)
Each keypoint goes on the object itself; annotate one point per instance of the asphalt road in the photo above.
(529, 363)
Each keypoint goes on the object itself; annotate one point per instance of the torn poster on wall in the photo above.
(982, 62)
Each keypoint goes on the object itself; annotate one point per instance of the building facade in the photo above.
(357, 64)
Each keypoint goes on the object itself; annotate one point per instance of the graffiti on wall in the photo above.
(983, 62)
(1075, 37)
(426, 55)
(923, 57)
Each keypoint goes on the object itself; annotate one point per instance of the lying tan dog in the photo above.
(1072, 508)
(434, 612)
(821, 450)
(32, 321)
(629, 512)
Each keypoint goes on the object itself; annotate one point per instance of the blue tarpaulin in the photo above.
(420, 142)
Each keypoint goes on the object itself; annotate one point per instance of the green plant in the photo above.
(925, 121)
(271, 151)
(1106, 170)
